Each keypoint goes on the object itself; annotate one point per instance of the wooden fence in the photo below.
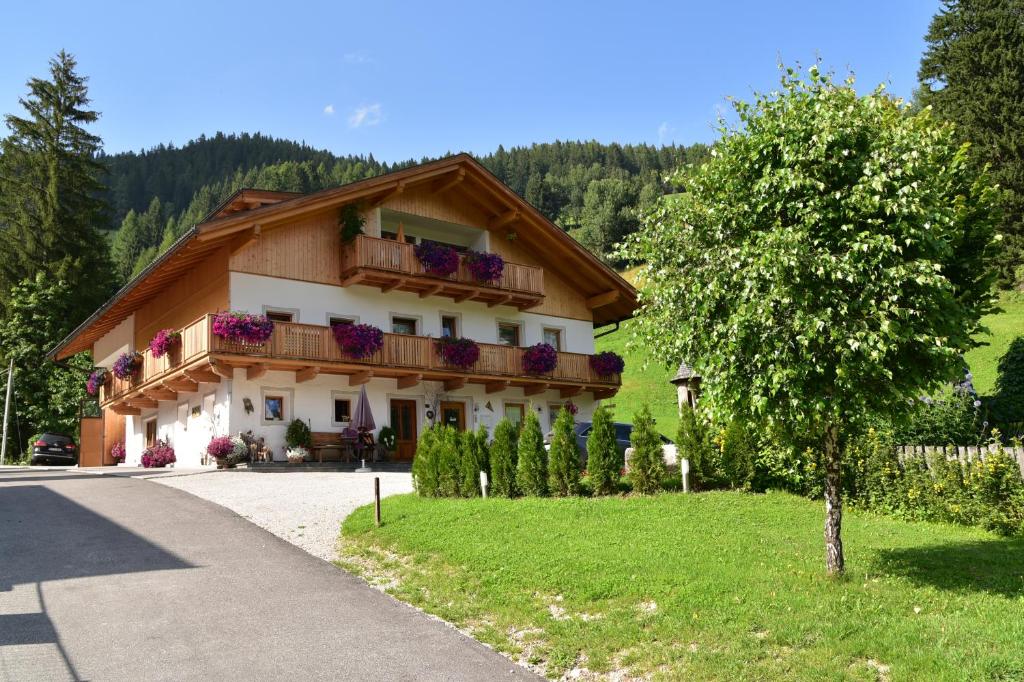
(961, 453)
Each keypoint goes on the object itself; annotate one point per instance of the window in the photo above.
(273, 408)
(508, 333)
(279, 315)
(339, 319)
(404, 325)
(554, 337)
(514, 412)
(150, 432)
(342, 411)
(449, 327)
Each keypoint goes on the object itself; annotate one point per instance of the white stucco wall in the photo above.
(317, 302)
(188, 436)
(118, 340)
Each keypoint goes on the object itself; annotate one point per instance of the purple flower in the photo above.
(607, 363)
(540, 358)
(462, 353)
(117, 452)
(437, 259)
(485, 267)
(163, 342)
(158, 456)
(358, 341)
(571, 407)
(253, 330)
(126, 365)
(95, 380)
(220, 447)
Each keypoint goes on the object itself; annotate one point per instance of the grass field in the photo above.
(1004, 327)
(717, 586)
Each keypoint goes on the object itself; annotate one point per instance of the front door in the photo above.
(403, 421)
(454, 414)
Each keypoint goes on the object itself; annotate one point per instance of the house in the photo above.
(282, 255)
(687, 383)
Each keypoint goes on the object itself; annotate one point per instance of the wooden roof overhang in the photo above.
(608, 295)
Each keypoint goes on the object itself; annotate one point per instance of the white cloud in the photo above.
(357, 58)
(665, 133)
(368, 115)
(329, 110)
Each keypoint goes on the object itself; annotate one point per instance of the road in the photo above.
(112, 578)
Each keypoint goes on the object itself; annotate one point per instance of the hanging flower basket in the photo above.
(461, 353)
(95, 380)
(358, 341)
(245, 328)
(485, 267)
(571, 407)
(126, 365)
(607, 363)
(164, 342)
(540, 358)
(437, 259)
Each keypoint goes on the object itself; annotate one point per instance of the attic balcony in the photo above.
(392, 265)
(310, 350)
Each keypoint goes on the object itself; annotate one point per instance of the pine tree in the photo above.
(532, 468)
(647, 464)
(482, 450)
(449, 463)
(424, 464)
(564, 458)
(469, 462)
(49, 183)
(504, 453)
(603, 461)
(971, 74)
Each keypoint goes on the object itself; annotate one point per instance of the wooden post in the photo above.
(376, 500)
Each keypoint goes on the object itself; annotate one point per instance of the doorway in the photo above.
(454, 414)
(403, 421)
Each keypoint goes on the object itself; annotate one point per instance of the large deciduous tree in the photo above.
(829, 262)
(972, 73)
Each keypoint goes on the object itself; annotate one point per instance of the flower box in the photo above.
(358, 341)
(607, 363)
(540, 358)
(127, 365)
(437, 259)
(461, 353)
(96, 379)
(486, 268)
(244, 328)
(165, 341)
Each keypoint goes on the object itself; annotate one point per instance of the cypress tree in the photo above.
(532, 468)
(424, 464)
(647, 464)
(503, 460)
(483, 452)
(449, 463)
(564, 458)
(603, 463)
(469, 486)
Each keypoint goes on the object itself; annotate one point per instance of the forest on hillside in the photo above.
(597, 192)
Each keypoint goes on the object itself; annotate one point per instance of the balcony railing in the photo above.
(384, 261)
(314, 345)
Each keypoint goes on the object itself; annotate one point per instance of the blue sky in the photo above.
(419, 79)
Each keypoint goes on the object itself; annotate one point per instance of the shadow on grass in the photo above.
(995, 566)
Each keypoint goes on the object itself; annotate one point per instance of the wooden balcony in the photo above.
(390, 265)
(310, 350)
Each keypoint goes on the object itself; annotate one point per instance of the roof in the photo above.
(684, 373)
(271, 209)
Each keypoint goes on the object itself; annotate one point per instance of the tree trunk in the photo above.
(834, 563)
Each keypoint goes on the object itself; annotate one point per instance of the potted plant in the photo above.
(244, 328)
(486, 268)
(126, 365)
(461, 353)
(298, 435)
(298, 455)
(607, 363)
(164, 342)
(437, 259)
(158, 456)
(117, 452)
(540, 358)
(350, 223)
(388, 438)
(227, 451)
(358, 341)
(96, 379)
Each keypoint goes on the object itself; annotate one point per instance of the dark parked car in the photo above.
(54, 448)
(622, 433)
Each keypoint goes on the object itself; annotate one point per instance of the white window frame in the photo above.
(561, 335)
(440, 322)
(518, 323)
(294, 312)
(418, 318)
(343, 395)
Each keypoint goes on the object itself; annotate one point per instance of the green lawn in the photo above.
(1004, 327)
(722, 586)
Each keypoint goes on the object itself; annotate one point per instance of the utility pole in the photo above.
(7, 411)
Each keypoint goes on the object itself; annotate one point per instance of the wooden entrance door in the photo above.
(454, 414)
(403, 421)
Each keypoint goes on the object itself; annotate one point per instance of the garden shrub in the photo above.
(603, 461)
(949, 417)
(298, 435)
(532, 467)
(483, 452)
(564, 457)
(647, 464)
(503, 457)
(1008, 398)
(694, 442)
(424, 464)
(449, 460)
(469, 463)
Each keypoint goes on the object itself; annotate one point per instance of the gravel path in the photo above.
(303, 507)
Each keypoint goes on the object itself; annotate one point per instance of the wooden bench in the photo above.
(331, 440)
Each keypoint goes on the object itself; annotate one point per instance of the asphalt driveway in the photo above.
(112, 578)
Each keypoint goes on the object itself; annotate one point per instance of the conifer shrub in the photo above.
(483, 451)
(424, 464)
(647, 464)
(449, 461)
(603, 461)
(532, 468)
(503, 458)
(469, 463)
(564, 457)
(694, 442)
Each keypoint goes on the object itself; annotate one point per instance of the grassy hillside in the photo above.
(650, 384)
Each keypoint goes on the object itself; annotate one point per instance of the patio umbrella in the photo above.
(362, 418)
